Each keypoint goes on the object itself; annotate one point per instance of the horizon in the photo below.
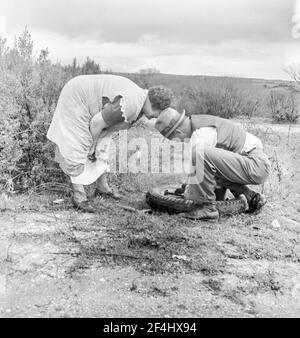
(103, 70)
(258, 40)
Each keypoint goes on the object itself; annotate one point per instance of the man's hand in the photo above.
(109, 116)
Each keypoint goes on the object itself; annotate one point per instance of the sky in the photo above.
(247, 38)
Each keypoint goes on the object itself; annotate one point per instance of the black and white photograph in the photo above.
(149, 161)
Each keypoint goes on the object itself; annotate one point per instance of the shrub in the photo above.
(29, 91)
(218, 97)
(284, 106)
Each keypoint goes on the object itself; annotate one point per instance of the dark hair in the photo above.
(160, 97)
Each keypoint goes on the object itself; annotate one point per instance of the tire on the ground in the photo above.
(171, 204)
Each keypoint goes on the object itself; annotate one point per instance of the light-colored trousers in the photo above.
(228, 169)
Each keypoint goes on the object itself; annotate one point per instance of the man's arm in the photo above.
(97, 124)
(110, 115)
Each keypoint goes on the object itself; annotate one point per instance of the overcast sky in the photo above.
(251, 38)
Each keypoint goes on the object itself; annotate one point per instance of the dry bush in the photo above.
(146, 78)
(284, 106)
(294, 72)
(218, 97)
(29, 91)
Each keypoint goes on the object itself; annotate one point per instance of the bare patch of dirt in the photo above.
(65, 264)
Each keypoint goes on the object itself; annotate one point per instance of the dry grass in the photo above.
(224, 254)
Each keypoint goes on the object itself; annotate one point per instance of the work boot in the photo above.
(256, 202)
(220, 193)
(207, 212)
(84, 206)
(255, 199)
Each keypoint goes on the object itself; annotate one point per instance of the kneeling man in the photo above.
(223, 155)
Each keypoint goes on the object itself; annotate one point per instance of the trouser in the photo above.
(231, 170)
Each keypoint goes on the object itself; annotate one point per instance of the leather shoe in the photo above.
(256, 203)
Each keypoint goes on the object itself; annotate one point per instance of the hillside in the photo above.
(189, 88)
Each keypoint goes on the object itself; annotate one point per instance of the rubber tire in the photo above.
(171, 204)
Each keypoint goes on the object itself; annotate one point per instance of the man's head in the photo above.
(159, 98)
(173, 125)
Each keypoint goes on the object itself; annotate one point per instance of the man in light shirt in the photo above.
(223, 154)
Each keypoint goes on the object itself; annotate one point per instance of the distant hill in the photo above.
(252, 89)
(177, 82)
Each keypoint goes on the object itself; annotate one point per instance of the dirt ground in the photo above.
(56, 262)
